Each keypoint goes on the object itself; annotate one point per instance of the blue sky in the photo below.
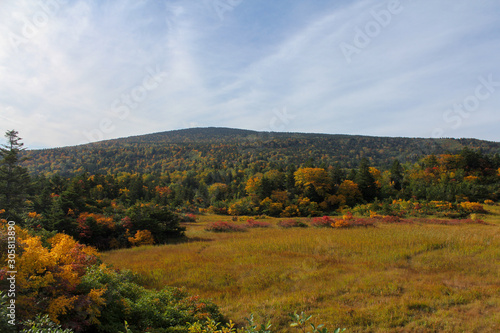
(73, 72)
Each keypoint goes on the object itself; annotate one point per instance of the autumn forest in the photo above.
(72, 203)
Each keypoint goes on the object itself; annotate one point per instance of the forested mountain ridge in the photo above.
(189, 149)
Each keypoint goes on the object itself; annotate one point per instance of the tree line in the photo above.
(111, 210)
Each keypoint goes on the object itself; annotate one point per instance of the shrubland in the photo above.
(377, 274)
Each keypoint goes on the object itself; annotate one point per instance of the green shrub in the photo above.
(157, 311)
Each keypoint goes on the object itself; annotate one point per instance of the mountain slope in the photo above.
(222, 147)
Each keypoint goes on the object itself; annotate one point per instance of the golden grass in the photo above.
(392, 278)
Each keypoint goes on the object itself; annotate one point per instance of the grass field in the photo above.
(391, 278)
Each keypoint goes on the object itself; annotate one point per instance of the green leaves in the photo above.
(300, 322)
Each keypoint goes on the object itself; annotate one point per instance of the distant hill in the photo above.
(225, 147)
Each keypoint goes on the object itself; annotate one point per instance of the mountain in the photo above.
(216, 147)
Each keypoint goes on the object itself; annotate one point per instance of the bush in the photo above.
(142, 237)
(391, 219)
(42, 324)
(144, 310)
(291, 223)
(321, 222)
(161, 222)
(341, 223)
(189, 217)
(363, 222)
(223, 226)
(257, 224)
(472, 207)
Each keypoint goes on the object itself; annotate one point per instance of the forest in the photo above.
(69, 204)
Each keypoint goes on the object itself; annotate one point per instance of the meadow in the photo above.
(394, 277)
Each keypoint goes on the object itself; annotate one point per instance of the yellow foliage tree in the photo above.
(350, 192)
(142, 237)
(316, 177)
(253, 184)
(47, 277)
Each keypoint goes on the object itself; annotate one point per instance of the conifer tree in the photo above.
(14, 179)
(397, 175)
(366, 181)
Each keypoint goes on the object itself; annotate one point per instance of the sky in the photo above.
(74, 72)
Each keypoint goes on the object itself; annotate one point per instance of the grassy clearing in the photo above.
(391, 278)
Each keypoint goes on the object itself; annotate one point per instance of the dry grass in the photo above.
(392, 278)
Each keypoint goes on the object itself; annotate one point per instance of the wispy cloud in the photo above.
(61, 79)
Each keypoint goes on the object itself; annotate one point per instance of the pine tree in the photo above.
(14, 179)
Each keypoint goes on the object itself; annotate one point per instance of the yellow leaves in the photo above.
(60, 306)
(291, 210)
(280, 196)
(316, 177)
(52, 272)
(96, 296)
(34, 215)
(349, 189)
(142, 237)
(375, 173)
(217, 188)
(106, 221)
(124, 191)
(343, 222)
(253, 184)
(97, 301)
(473, 207)
(471, 179)
(33, 263)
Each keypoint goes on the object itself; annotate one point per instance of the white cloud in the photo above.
(63, 81)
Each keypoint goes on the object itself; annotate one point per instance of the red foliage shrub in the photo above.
(291, 223)
(189, 217)
(321, 222)
(364, 222)
(223, 226)
(391, 219)
(257, 224)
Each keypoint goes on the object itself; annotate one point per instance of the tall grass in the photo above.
(391, 278)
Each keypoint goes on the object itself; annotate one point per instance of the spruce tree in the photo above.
(14, 179)
(366, 181)
(397, 175)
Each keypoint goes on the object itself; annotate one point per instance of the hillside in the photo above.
(181, 149)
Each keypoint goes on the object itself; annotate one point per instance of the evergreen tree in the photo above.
(366, 181)
(265, 189)
(352, 175)
(337, 175)
(397, 175)
(14, 179)
(290, 179)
